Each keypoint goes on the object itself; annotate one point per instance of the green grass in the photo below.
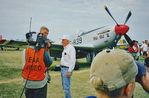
(10, 64)
(9, 73)
(10, 90)
(11, 83)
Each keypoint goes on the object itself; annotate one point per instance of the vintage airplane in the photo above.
(12, 44)
(88, 44)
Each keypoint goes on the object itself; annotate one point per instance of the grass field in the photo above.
(11, 81)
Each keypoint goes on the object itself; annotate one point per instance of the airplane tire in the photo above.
(76, 67)
(18, 49)
(55, 59)
(90, 56)
(2, 48)
(57, 68)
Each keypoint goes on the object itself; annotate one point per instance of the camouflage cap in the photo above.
(112, 69)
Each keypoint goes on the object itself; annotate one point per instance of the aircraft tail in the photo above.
(1, 38)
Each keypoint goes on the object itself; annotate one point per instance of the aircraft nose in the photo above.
(121, 29)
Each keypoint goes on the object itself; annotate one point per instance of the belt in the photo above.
(62, 66)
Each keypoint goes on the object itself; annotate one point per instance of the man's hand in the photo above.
(68, 74)
(48, 44)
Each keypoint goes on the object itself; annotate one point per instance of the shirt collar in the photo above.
(31, 47)
(67, 46)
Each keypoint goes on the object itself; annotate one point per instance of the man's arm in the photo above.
(47, 59)
(142, 47)
(72, 59)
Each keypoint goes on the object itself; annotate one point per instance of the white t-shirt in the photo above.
(144, 47)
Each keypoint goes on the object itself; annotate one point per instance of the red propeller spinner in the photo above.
(121, 29)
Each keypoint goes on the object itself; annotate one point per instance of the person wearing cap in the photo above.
(113, 73)
(67, 64)
(143, 73)
(143, 76)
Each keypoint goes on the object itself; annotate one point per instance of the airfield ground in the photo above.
(11, 81)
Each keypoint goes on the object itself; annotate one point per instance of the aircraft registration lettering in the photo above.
(95, 38)
(108, 35)
(101, 36)
(78, 40)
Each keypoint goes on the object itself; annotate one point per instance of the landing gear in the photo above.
(18, 49)
(55, 59)
(77, 67)
(90, 56)
(2, 48)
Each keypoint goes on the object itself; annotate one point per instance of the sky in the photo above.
(71, 16)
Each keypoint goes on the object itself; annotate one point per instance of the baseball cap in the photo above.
(112, 69)
(66, 37)
(91, 97)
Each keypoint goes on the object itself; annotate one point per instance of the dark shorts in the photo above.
(141, 71)
(145, 53)
(36, 93)
(146, 62)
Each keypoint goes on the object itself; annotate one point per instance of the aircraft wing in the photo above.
(56, 50)
(13, 44)
(2, 42)
(81, 50)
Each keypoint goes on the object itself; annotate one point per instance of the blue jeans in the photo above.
(65, 82)
(141, 72)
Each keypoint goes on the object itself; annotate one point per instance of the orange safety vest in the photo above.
(34, 68)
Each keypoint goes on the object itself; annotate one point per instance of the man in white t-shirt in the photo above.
(144, 47)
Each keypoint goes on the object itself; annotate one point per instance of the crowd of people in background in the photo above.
(145, 53)
(139, 50)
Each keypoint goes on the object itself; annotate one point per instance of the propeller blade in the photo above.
(110, 14)
(115, 41)
(128, 16)
(128, 39)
